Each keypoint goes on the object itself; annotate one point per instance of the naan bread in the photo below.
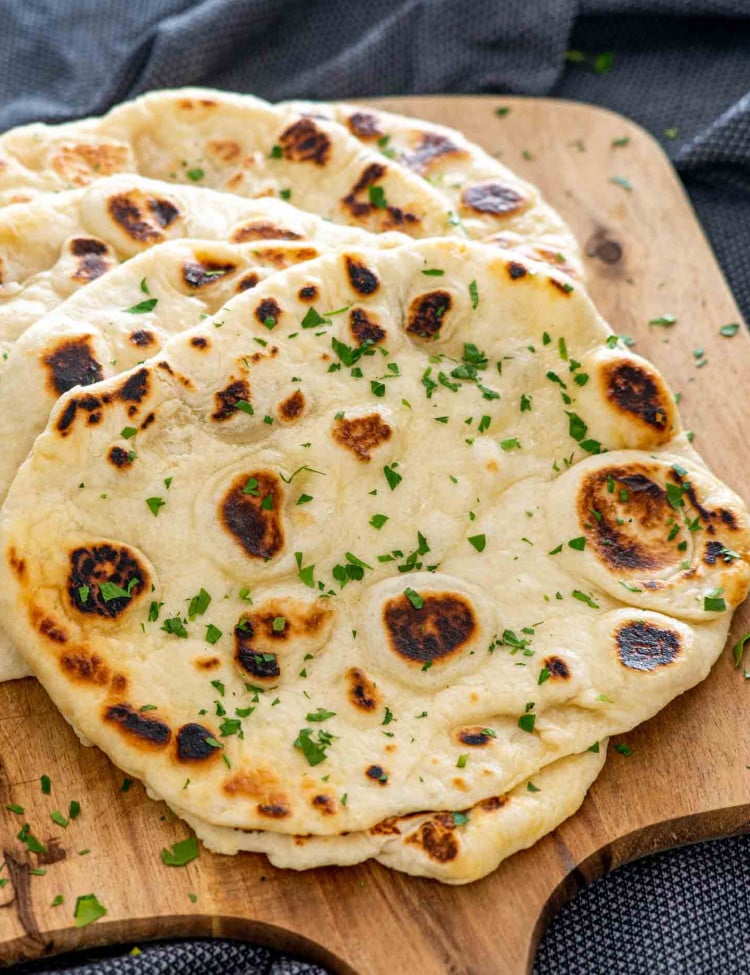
(441, 417)
(454, 847)
(95, 334)
(246, 146)
(92, 335)
(55, 244)
(493, 203)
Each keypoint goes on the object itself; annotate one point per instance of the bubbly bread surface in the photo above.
(386, 509)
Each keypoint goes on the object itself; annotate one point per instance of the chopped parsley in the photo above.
(143, 307)
(314, 751)
(377, 197)
(305, 575)
(377, 521)
(181, 853)
(312, 319)
(414, 598)
(154, 504)
(585, 598)
(32, 843)
(175, 626)
(199, 604)
(320, 715)
(351, 570)
(527, 721)
(87, 910)
(392, 476)
(511, 443)
(621, 181)
(110, 590)
(213, 634)
(664, 320)
(737, 652)
(729, 330)
(713, 601)
(479, 542)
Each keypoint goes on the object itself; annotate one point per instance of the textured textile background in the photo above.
(679, 65)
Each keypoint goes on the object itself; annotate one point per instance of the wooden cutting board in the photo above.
(689, 776)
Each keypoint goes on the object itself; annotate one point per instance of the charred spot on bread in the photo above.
(493, 198)
(305, 141)
(104, 578)
(250, 511)
(226, 400)
(426, 314)
(72, 363)
(141, 728)
(361, 434)
(362, 279)
(195, 743)
(362, 691)
(440, 628)
(645, 646)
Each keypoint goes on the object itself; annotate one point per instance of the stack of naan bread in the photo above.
(333, 510)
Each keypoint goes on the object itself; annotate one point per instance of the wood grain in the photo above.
(687, 779)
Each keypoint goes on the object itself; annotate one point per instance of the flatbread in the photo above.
(96, 334)
(57, 243)
(506, 652)
(493, 203)
(453, 847)
(190, 280)
(246, 146)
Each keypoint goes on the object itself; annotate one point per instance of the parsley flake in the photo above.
(143, 307)
(154, 504)
(729, 330)
(392, 476)
(377, 197)
(87, 910)
(181, 853)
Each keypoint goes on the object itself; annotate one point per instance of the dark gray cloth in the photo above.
(681, 64)
(678, 64)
